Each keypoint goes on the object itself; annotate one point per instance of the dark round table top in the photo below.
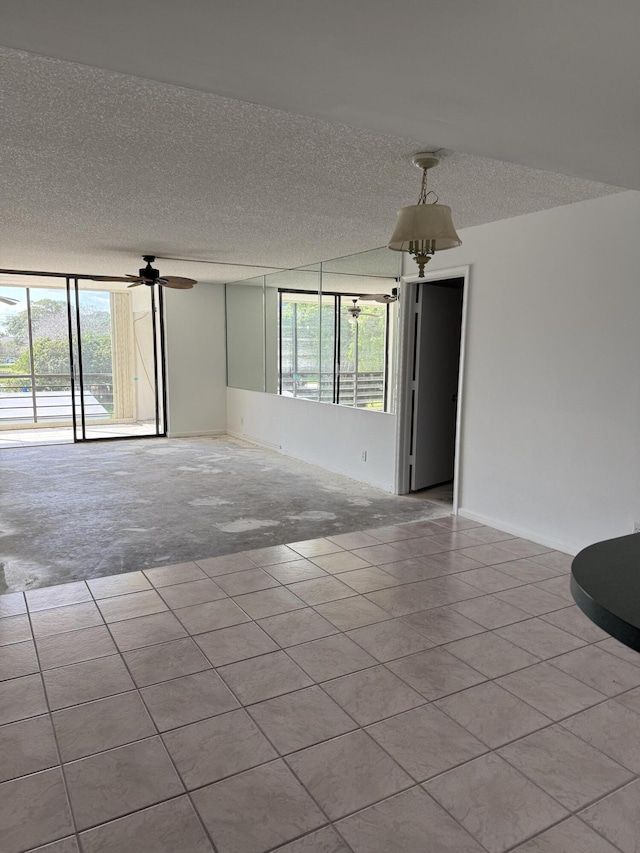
(605, 583)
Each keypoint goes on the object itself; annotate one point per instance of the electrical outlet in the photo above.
(364, 455)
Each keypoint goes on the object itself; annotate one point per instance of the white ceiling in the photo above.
(100, 166)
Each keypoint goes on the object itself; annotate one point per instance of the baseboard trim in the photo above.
(199, 433)
(523, 532)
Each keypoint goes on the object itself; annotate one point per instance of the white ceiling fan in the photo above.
(385, 298)
(150, 276)
(8, 300)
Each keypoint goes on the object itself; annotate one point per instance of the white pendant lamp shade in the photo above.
(424, 227)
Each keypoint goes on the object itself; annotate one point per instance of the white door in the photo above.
(438, 334)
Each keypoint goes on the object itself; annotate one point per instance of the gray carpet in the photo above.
(70, 512)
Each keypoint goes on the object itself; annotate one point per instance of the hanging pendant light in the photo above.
(426, 227)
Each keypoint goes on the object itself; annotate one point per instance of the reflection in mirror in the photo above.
(246, 334)
(323, 332)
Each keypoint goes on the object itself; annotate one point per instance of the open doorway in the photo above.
(430, 384)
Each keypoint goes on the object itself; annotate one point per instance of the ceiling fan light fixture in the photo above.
(424, 228)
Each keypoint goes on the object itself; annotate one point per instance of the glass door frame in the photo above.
(74, 327)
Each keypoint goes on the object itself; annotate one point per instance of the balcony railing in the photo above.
(33, 398)
(362, 390)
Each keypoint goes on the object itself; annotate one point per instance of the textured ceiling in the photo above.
(99, 167)
(551, 84)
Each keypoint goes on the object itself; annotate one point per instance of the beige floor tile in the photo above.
(269, 602)
(111, 784)
(487, 579)
(449, 562)
(214, 566)
(426, 742)
(27, 747)
(557, 586)
(491, 612)
(118, 585)
(301, 719)
(75, 646)
(348, 773)
(573, 620)
(373, 694)
(491, 555)
(551, 691)
(330, 657)
(102, 724)
(554, 560)
(491, 654)
(367, 580)
(57, 596)
(353, 540)
(378, 555)
(66, 845)
(616, 817)
(257, 810)
(165, 661)
(178, 573)
(600, 670)
(211, 615)
(33, 811)
(264, 677)
(396, 532)
(251, 580)
(494, 802)
(12, 604)
(532, 599)
(352, 612)
(389, 640)
(528, 571)
(271, 556)
(315, 547)
(613, 729)
(69, 618)
(193, 592)
(442, 625)
(321, 590)
(570, 836)
(400, 600)
(492, 714)
(298, 626)
(18, 659)
(567, 768)
(435, 673)
(402, 824)
(415, 569)
(422, 546)
(298, 570)
(166, 828)
(453, 540)
(488, 535)
(618, 649)
(325, 840)
(540, 638)
(343, 561)
(131, 605)
(212, 749)
(239, 642)
(21, 698)
(82, 682)
(187, 699)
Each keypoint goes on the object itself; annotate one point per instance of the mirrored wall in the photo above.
(325, 332)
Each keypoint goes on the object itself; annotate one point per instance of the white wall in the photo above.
(332, 437)
(196, 360)
(551, 404)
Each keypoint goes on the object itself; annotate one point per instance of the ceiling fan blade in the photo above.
(176, 285)
(177, 281)
(8, 300)
(136, 284)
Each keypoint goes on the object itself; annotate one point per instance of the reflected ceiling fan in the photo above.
(8, 300)
(150, 276)
(385, 298)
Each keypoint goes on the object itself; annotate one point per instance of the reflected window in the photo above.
(332, 353)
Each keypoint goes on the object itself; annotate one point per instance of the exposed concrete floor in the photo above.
(83, 511)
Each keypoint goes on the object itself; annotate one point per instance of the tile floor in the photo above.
(427, 687)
